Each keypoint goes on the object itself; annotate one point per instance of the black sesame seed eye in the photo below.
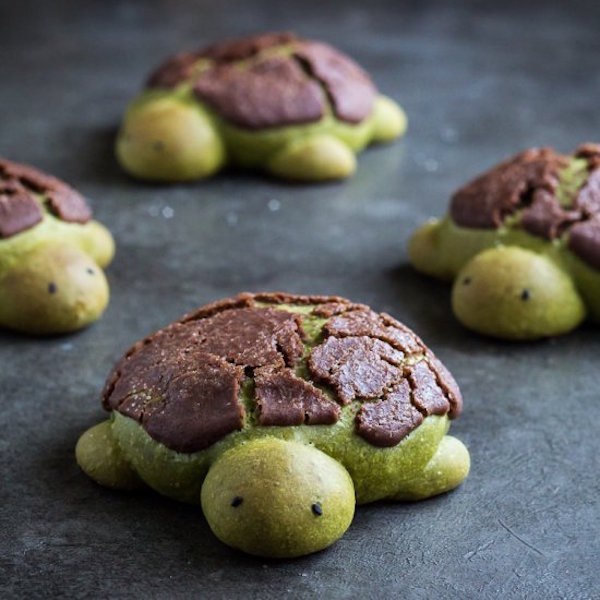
(90, 271)
(466, 281)
(525, 295)
(52, 288)
(317, 509)
(236, 501)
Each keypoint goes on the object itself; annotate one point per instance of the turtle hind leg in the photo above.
(166, 139)
(446, 470)
(100, 457)
(318, 157)
(54, 288)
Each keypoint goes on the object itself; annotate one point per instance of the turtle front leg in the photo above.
(98, 243)
(389, 120)
(169, 139)
(99, 456)
(425, 252)
(276, 498)
(446, 470)
(54, 288)
(317, 157)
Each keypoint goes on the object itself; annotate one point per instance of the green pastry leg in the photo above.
(424, 251)
(447, 469)
(518, 294)
(98, 243)
(319, 157)
(389, 120)
(167, 139)
(423, 247)
(271, 497)
(99, 456)
(54, 288)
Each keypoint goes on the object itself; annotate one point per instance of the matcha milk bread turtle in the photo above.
(296, 108)
(277, 413)
(51, 254)
(522, 244)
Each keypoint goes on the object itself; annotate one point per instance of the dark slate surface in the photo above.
(479, 82)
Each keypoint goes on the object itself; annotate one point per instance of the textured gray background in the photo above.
(479, 82)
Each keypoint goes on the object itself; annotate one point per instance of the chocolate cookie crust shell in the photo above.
(26, 192)
(271, 80)
(239, 95)
(280, 360)
(534, 185)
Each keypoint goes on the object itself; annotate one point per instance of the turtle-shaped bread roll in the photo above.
(296, 108)
(278, 413)
(51, 254)
(522, 244)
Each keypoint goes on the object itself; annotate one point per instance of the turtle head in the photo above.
(54, 288)
(513, 293)
(277, 498)
(166, 138)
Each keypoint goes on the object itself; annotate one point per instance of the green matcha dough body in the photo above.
(520, 279)
(326, 465)
(172, 133)
(277, 490)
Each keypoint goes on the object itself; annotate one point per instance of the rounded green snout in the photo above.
(276, 498)
(518, 294)
(55, 288)
(166, 139)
